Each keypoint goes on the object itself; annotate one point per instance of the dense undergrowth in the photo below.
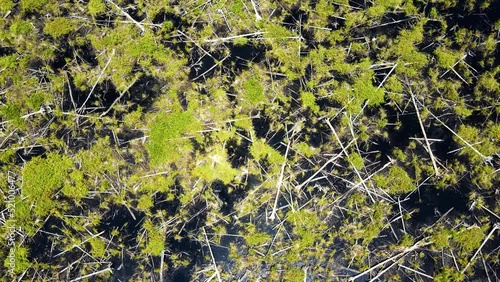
(250, 140)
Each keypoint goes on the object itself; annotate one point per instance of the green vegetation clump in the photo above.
(397, 181)
(42, 177)
(96, 7)
(469, 239)
(254, 91)
(21, 28)
(59, 27)
(33, 5)
(166, 141)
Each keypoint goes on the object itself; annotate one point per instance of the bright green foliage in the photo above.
(462, 111)
(244, 123)
(305, 149)
(255, 238)
(469, 239)
(355, 199)
(449, 274)
(96, 7)
(441, 238)
(24, 216)
(216, 166)
(9, 61)
(75, 187)
(145, 202)
(254, 91)
(484, 176)
(41, 179)
(309, 101)
(12, 113)
(133, 118)
(356, 160)
(156, 239)
(397, 181)
(6, 5)
(132, 51)
(383, 6)
(474, 138)
(159, 183)
(166, 143)
(59, 27)
(446, 58)
(21, 27)
(365, 91)
(98, 248)
(294, 274)
(32, 5)
(159, 154)
(303, 222)
(260, 150)
(240, 41)
(21, 260)
(238, 8)
(487, 83)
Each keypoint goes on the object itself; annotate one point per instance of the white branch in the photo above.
(97, 81)
(497, 226)
(425, 135)
(92, 274)
(212, 256)
(138, 24)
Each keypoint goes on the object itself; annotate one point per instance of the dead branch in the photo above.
(92, 274)
(80, 110)
(495, 228)
(119, 97)
(433, 159)
(212, 256)
(280, 181)
(138, 24)
(415, 246)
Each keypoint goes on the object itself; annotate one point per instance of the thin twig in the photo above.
(495, 227)
(233, 37)
(97, 81)
(393, 258)
(139, 25)
(485, 158)
(212, 256)
(257, 16)
(280, 180)
(387, 76)
(433, 160)
(119, 97)
(347, 156)
(70, 91)
(92, 274)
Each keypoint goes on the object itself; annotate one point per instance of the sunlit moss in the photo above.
(96, 7)
(166, 143)
(397, 181)
(254, 91)
(449, 274)
(42, 177)
(469, 239)
(59, 27)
